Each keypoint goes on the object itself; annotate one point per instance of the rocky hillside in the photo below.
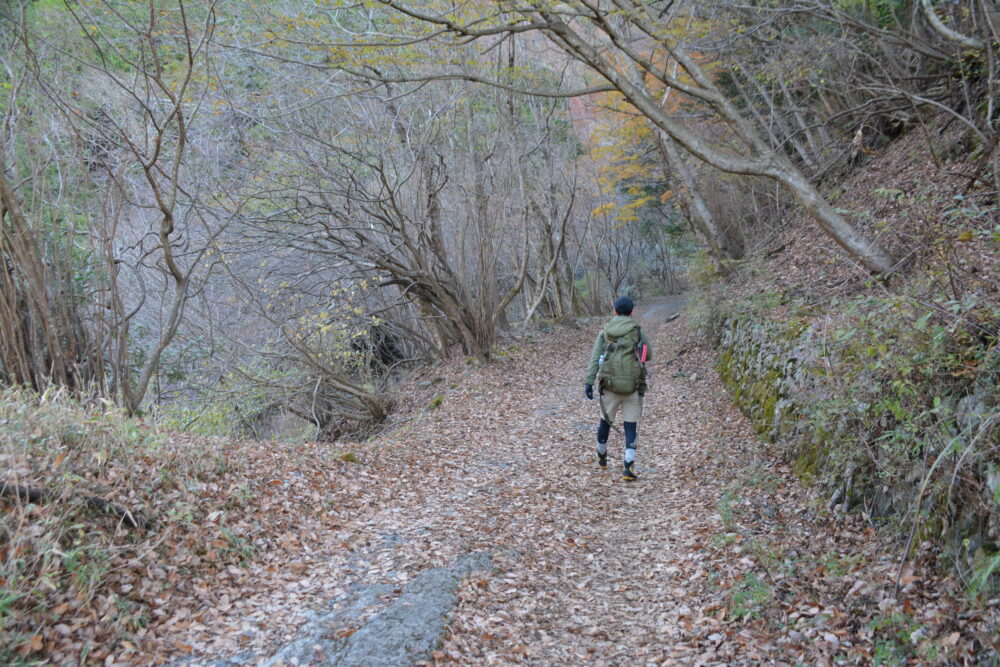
(882, 393)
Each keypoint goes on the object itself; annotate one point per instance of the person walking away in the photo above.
(618, 367)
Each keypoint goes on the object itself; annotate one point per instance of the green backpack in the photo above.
(621, 371)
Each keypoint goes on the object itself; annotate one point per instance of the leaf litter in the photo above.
(717, 555)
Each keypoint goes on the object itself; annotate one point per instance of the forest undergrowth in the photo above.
(881, 392)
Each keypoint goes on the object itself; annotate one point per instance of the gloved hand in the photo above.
(588, 391)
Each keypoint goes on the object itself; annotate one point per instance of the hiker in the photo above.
(619, 363)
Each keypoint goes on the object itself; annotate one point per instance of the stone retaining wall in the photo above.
(776, 372)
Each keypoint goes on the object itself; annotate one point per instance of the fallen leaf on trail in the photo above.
(586, 567)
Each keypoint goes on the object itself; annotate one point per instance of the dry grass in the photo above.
(90, 497)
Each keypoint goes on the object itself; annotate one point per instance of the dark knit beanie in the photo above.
(624, 305)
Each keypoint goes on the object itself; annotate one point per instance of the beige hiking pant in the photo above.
(630, 405)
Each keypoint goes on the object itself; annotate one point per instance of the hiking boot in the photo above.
(629, 474)
(602, 460)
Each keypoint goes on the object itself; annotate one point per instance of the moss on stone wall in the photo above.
(872, 399)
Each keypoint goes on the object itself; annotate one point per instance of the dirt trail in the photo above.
(607, 570)
(583, 567)
(586, 563)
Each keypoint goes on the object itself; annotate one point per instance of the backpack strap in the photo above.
(604, 413)
(608, 346)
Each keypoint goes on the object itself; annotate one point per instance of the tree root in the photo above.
(32, 494)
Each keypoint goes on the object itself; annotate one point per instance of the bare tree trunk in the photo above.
(42, 340)
(701, 216)
(563, 26)
(965, 41)
(762, 162)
